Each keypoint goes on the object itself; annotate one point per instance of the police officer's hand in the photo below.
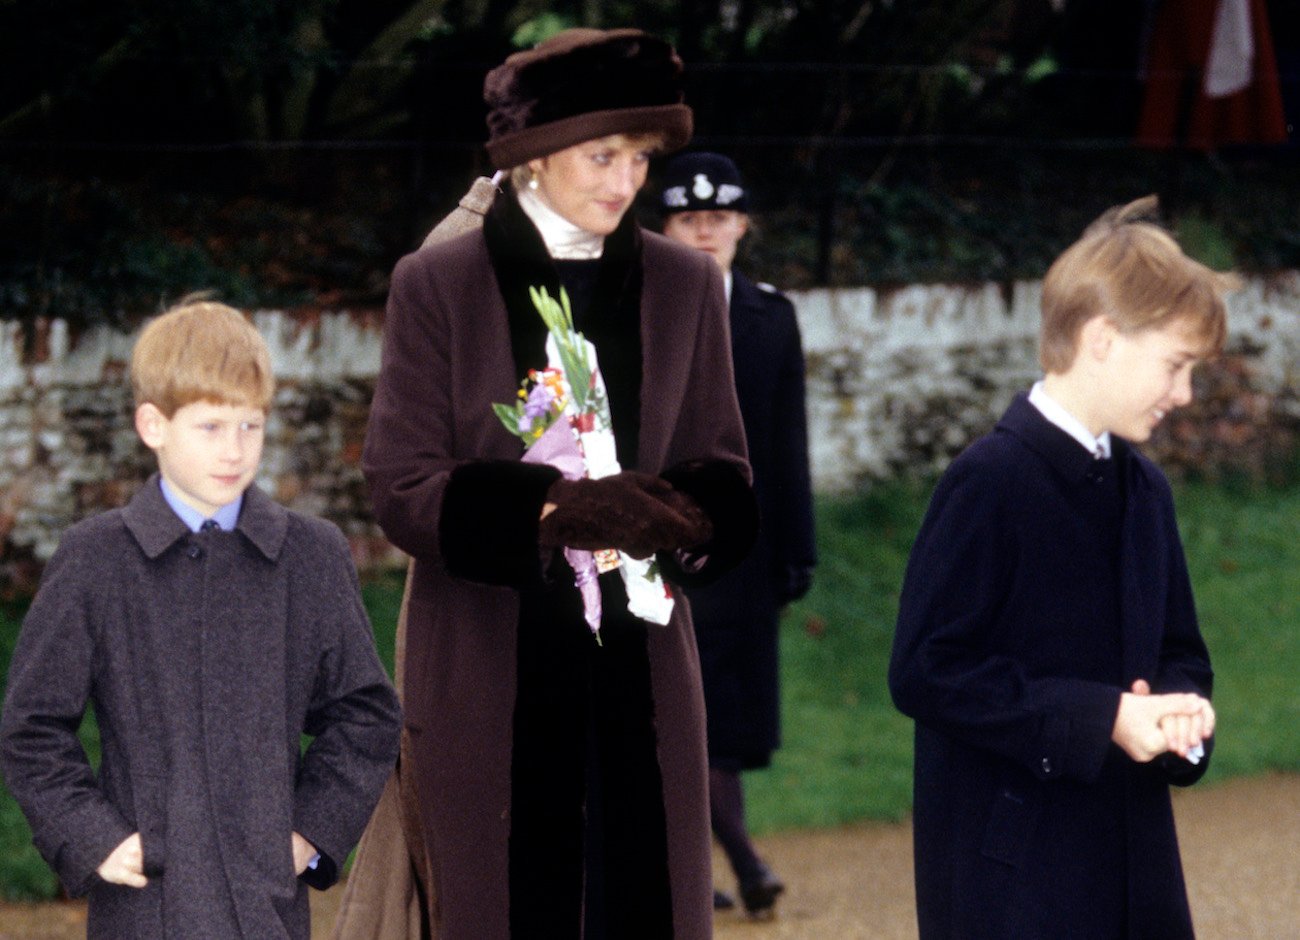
(792, 583)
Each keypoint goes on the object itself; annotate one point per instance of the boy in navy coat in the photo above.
(211, 629)
(1047, 643)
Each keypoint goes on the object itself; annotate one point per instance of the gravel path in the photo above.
(1241, 851)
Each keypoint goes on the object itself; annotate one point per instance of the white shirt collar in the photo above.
(564, 240)
(1054, 412)
(726, 282)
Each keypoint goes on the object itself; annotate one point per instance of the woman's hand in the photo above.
(634, 512)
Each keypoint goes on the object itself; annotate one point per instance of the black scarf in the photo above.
(611, 319)
(588, 841)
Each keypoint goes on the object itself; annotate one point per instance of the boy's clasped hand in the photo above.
(1148, 725)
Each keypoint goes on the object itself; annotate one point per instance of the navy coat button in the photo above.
(194, 551)
(1047, 765)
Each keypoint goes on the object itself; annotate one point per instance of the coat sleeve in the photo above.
(355, 720)
(945, 671)
(74, 826)
(708, 459)
(1184, 659)
(476, 517)
(793, 531)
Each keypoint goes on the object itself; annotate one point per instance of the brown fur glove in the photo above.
(634, 512)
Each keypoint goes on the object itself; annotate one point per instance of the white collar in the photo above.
(1054, 412)
(726, 283)
(564, 240)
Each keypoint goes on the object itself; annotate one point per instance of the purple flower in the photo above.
(539, 401)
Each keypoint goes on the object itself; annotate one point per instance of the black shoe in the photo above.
(759, 893)
(722, 901)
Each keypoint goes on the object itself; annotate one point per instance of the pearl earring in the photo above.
(532, 181)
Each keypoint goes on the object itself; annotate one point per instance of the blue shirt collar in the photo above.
(226, 516)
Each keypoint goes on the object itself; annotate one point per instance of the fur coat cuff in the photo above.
(721, 490)
(490, 512)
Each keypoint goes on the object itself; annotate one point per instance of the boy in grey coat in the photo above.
(211, 629)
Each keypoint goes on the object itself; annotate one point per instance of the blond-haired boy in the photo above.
(1047, 643)
(210, 628)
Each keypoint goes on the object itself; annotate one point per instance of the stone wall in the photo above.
(898, 382)
(68, 447)
(901, 380)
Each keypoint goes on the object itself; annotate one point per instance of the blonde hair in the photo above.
(655, 142)
(1131, 270)
(200, 350)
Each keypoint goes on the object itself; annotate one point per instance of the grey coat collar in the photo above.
(156, 528)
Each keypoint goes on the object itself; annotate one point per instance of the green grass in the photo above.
(23, 874)
(847, 752)
(1243, 551)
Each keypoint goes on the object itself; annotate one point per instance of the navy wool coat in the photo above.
(1041, 585)
(206, 656)
(736, 616)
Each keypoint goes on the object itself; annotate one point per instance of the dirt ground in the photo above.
(1240, 842)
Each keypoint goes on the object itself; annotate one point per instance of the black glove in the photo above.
(792, 583)
(634, 512)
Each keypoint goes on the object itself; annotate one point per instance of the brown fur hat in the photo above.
(582, 84)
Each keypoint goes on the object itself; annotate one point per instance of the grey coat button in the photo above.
(194, 551)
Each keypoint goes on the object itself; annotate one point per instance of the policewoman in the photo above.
(705, 205)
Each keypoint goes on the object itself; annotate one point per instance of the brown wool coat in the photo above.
(206, 657)
(447, 358)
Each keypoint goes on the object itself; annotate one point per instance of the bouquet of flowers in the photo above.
(562, 415)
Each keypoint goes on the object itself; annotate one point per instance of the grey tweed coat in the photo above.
(206, 658)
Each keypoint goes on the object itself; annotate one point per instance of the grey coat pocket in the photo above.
(149, 795)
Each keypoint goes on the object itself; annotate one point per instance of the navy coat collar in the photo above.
(1063, 453)
(154, 525)
(1148, 539)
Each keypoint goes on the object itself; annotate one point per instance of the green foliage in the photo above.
(896, 142)
(1205, 240)
(121, 68)
(969, 214)
(539, 29)
(87, 251)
